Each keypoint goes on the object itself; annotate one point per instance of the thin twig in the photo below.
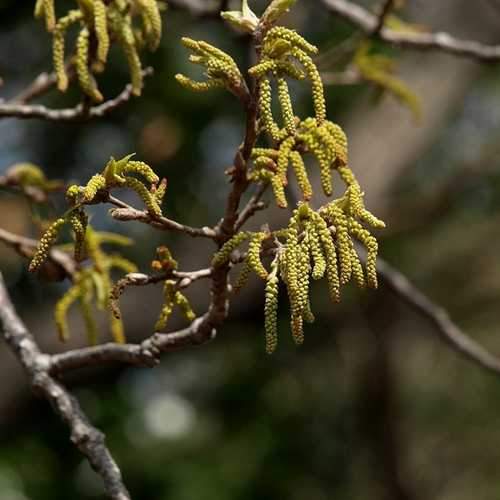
(367, 22)
(252, 207)
(89, 440)
(125, 212)
(449, 332)
(41, 85)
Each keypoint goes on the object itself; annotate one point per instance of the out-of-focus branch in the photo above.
(26, 247)
(386, 9)
(41, 85)
(89, 440)
(80, 112)
(350, 76)
(367, 22)
(449, 332)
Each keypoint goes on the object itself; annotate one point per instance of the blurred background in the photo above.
(373, 406)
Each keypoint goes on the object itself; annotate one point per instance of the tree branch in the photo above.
(366, 21)
(387, 6)
(449, 332)
(78, 113)
(125, 213)
(89, 440)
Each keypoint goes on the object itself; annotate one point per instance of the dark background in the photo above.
(373, 406)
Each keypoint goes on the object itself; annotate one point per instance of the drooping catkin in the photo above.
(271, 311)
(85, 77)
(46, 242)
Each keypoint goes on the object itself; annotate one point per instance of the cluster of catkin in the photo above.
(117, 173)
(316, 244)
(101, 23)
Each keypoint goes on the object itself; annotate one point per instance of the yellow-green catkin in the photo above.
(357, 269)
(48, 10)
(85, 78)
(127, 41)
(340, 141)
(78, 221)
(266, 112)
(343, 243)
(168, 306)
(316, 83)
(271, 311)
(291, 36)
(39, 9)
(146, 196)
(139, 168)
(222, 71)
(47, 241)
(58, 47)
(294, 280)
(101, 31)
(253, 256)
(160, 191)
(198, 86)
(152, 20)
(300, 171)
(284, 158)
(330, 253)
(323, 154)
(371, 244)
(183, 303)
(95, 184)
(61, 311)
(286, 106)
(224, 254)
(316, 252)
(243, 277)
(278, 190)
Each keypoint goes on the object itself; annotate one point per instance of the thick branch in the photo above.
(445, 327)
(89, 440)
(368, 22)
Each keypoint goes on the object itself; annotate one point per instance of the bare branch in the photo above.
(89, 440)
(368, 22)
(41, 85)
(125, 212)
(78, 113)
(445, 327)
(252, 207)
